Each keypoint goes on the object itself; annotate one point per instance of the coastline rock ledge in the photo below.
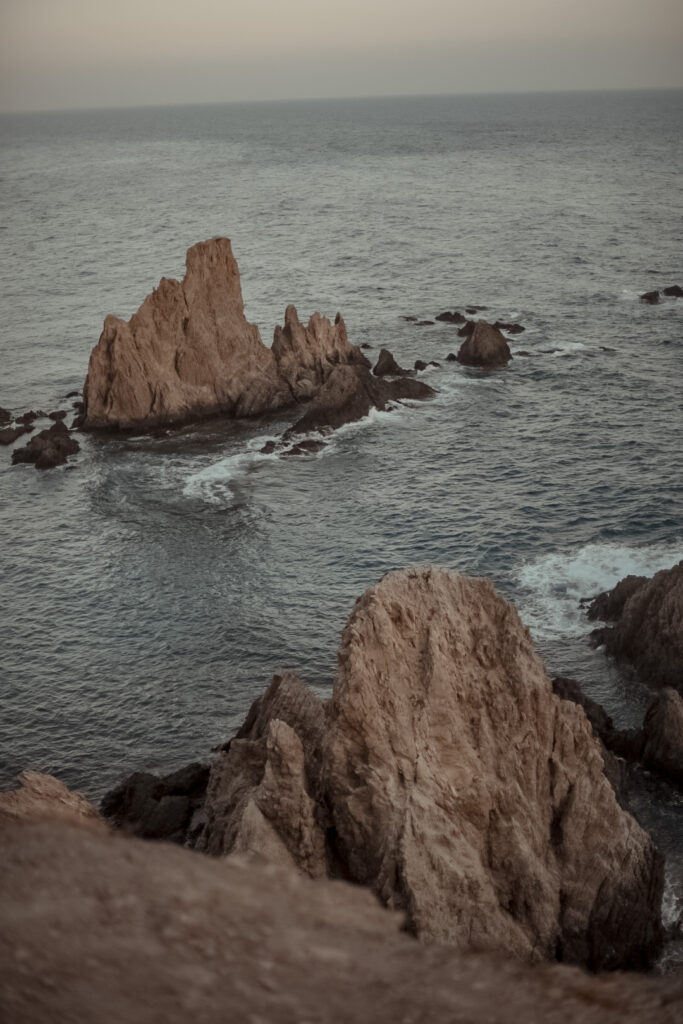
(189, 352)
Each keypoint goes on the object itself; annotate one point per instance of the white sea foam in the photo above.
(216, 482)
(552, 586)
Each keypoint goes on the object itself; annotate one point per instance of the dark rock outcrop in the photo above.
(467, 328)
(58, 414)
(648, 625)
(451, 318)
(348, 395)
(663, 736)
(485, 347)
(509, 328)
(48, 449)
(97, 927)
(9, 435)
(5, 416)
(451, 357)
(650, 298)
(674, 291)
(157, 808)
(386, 366)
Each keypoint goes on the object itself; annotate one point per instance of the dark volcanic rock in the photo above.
(509, 328)
(451, 318)
(663, 736)
(307, 447)
(48, 449)
(420, 364)
(9, 435)
(58, 414)
(349, 394)
(466, 329)
(30, 416)
(675, 291)
(648, 626)
(650, 298)
(269, 448)
(386, 365)
(157, 808)
(451, 357)
(5, 415)
(609, 605)
(485, 347)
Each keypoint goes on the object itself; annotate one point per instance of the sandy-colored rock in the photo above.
(463, 791)
(119, 931)
(306, 356)
(188, 351)
(663, 736)
(485, 347)
(262, 790)
(45, 797)
(648, 628)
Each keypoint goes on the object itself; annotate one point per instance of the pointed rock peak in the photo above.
(291, 317)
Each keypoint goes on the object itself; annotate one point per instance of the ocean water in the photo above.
(150, 589)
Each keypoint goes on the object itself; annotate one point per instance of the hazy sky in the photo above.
(86, 53)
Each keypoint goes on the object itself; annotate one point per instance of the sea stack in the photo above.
(189, 352)
(485, 347)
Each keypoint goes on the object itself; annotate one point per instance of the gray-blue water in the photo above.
(149, 592)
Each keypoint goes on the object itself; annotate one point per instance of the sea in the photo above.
(150, 588)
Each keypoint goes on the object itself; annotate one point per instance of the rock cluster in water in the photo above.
(446, 776)
(189, 352)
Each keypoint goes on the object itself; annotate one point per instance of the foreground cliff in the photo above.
(97, 927)
(446, 776)
(190, 352)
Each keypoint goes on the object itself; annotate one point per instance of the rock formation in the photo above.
(648, 625)
(663, 736)
(650, 298)
(42, 797)
(97, 927)
(386, 366)
(5, 416)
(451, 318)
(157, 808)
(348, 395)
(8, 435)
(190, 352)
(674, 291)
(446, 776)
(485, 347)
(306, 356)
(49, 448)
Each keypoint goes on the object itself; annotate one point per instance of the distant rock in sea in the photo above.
(485, 347)
(49, 448)
(189, 352)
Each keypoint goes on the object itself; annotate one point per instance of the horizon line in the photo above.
(337, 99)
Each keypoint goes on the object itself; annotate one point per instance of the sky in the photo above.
(61, 54)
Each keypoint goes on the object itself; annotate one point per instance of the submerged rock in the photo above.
(451, 318)
(485, 347)
(509, 328)
(674, 291)
(100, 927)
(650, 298)
(48, 449)
(5, 416)
(648, 625)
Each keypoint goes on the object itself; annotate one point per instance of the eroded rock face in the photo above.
(112, 929)
(43, 797)
(485, 346)
(465, 792)
(648, 625)
(386, 366)
(262, 791)
(306, 356)
(663, 736)
(189, 352)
